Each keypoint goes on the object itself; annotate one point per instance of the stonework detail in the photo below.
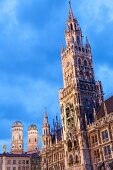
(17, 138)
(84, 139)
(32, 139)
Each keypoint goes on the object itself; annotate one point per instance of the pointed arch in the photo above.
(69, 145)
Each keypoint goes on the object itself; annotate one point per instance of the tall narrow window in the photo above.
(71, 27)
(78, 40)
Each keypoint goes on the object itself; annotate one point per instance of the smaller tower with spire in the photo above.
(32, 139)
(46, 137)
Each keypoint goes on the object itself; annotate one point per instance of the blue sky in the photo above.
(31, 35)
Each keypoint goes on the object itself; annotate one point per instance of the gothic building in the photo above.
(17, 158)
(85, 139)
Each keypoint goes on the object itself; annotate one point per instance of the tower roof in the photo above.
(71, 16)
(32, 127)
(45, 123)
(45, 118)
(17, 124)
(107, 106)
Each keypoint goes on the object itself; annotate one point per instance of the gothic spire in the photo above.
(45, 118)
(71, 16)
(87, 43)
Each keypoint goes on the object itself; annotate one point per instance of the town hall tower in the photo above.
(81, 96)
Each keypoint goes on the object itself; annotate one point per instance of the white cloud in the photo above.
(8, 12)
(31, 94)
(13, 29)
(96, 12)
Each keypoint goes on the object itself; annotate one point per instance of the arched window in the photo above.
(82, 49)
(35, 140)
(44, 131)
(70, 160)
(87, 75)
(72, 39)
(76, 47)
(69, 145)
(85, 63)
(76, 159)
(79, 49)
(44, 160)
(81, 75)
(79, 61)
(75, 145)
(87, 87)
(46, 141)
(67, 112)
(71, 27)
(78, 40)
(91, 87)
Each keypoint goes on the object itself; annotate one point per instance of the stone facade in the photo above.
(86, 138)
(17, 138)
(32, 139)
(15, 162)
(23, 161)
(84, 141)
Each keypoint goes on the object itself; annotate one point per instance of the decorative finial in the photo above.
(87, 43)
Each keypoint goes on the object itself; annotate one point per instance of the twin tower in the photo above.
(17, 138)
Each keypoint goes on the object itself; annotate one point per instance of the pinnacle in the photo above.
(70, 11)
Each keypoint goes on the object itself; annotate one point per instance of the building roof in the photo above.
(107, 106)
(57, 136)
(33, 155)
(32, 127)
(17, 124)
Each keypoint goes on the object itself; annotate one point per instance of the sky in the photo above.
(31, 36)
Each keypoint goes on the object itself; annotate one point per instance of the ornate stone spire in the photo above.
(71, 16)
(105, 109)
(45, 123)
(87, 42)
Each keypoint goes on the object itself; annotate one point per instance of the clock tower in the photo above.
(81, 96)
